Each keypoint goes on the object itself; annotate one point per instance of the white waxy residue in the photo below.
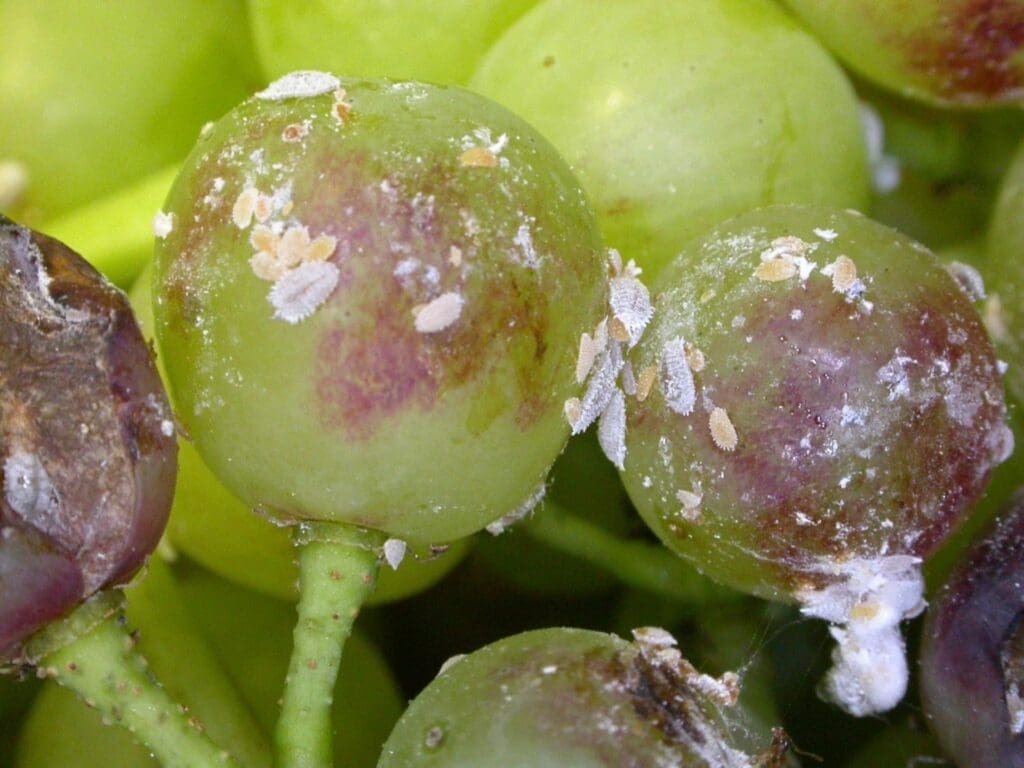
(611, 430)
(29, 492)
(394, 552)
(163, 224)
(299, 292)
(298, 85)
(677, 378)
(504, 522)
(865, 605)
(886, 172)
(630, 303)
(440, 313)
(600, 387)
(969, 279)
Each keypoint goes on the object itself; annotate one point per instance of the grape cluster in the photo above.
(758, 261)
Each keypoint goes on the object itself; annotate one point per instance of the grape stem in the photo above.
(338, 567)
(639, 564)
(90, 652)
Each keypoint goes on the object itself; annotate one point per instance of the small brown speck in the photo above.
(434, 738)
(72, 666)
(722, 430)
(311, 663)
(342, 108)
(295, 132)
(844, 274)
(775, 270)
(334, 575)
(645, 382)
(548, 61)
(478, 157)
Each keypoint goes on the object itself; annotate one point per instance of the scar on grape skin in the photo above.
(657, 697)
(972, 55)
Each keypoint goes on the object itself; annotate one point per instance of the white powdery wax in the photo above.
(865, 606)
(297, 85)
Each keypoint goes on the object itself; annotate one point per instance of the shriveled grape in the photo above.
(86, 436)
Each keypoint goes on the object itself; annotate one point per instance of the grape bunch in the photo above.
(562, 341)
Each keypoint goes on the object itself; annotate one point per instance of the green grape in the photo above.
(439, 42)
(368, 302)
(1003, 269)
(827, 408)
(571, 698)
(679, 115)
(98, 94)
(213, 527)
(963, 53)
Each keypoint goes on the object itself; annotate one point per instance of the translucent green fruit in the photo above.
(441, 41)
(825, 408)
(216, 529)
(1004, 272)
(98, 94)
(679, 115)
(951, 52)
(570, 698)
(369, 296)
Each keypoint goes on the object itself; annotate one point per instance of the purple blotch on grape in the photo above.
(86, 435)
(973, 54)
